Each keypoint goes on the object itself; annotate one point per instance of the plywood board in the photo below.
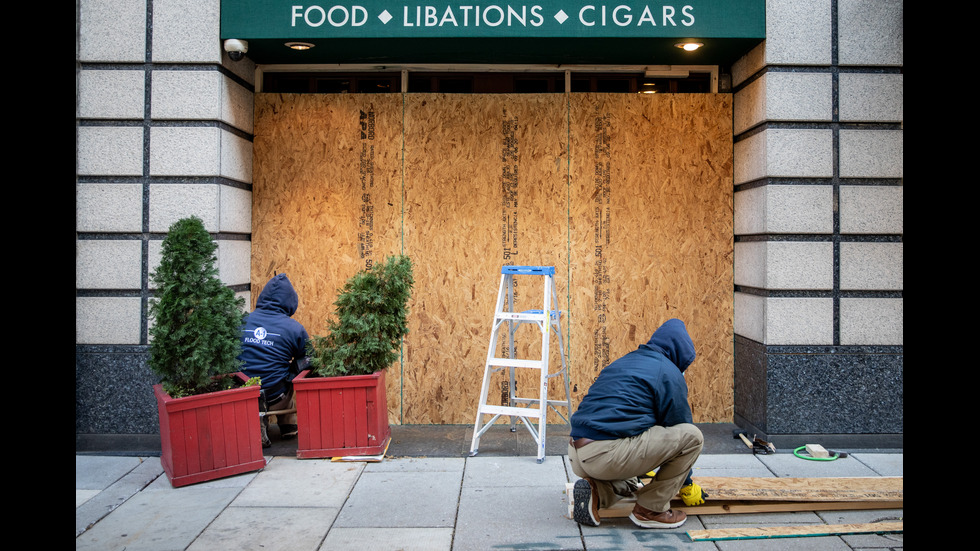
(651, 234)
(769, 532)
(326, 195)
(623, 508)
(804, 489)
(628, 196)
(732, 495)
(485, 187)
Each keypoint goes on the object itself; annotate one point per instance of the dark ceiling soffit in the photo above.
(557, 51)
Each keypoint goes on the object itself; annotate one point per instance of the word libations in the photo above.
(493, 15)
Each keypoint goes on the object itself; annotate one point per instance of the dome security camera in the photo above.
(236, 48)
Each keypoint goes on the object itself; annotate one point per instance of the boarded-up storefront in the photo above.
(629, 196)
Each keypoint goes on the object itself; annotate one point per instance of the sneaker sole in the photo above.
(582, 498)
(654, 524)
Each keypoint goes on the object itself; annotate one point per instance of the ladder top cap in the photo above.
(532, 270)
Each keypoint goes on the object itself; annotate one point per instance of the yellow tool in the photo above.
(692, 494)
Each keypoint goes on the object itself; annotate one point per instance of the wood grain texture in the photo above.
(651, 232)
(816, 530)
(804, 489)
(628, 196)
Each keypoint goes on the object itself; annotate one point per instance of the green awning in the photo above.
(551, 31)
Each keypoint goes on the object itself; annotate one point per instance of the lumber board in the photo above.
(623, 508)
(736, 495)
(629, 196)
(803, 489)
(650, 235)
(763, 532)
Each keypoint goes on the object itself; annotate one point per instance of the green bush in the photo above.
(196, 319)
(371, 319)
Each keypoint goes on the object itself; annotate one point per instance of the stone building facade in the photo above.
(164, 128)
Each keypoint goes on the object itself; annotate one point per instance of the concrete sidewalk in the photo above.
(487, 502)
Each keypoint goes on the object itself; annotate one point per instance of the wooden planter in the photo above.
(341, 416)
(209, 436)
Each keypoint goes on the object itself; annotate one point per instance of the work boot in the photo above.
(263, 420)
(645, 518)
(265, 434)
(585, 502)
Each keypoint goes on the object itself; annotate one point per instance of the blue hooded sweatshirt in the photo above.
(643, 388)
(273, 342)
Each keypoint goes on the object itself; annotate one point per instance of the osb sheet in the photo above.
(651, 231)
(484, 186)
(635, 190)
(326, 195)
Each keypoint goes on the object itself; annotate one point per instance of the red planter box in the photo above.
(209, 436)
(339, 416)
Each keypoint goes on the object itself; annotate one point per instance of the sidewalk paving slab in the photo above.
(883, 464)
(158, 519)
(114, 480)
(514, 503)
(93, 472)
(390, 499)
(620, 534)
(291, 482)
(389, 539)
(787, 465)
(267, 529)
(444, 502)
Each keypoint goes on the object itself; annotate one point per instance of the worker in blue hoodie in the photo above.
(636, 419)
(274, 349)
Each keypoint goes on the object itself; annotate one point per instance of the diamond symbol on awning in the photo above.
(561, 16)
(385, 17)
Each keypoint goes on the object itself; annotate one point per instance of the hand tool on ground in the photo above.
(757, 445)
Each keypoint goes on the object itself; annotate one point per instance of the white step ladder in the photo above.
(546, 320)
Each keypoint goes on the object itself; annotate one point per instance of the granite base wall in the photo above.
(831, 395)
(114, 404)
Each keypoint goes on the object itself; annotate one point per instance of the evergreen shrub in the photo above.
(196, 319)
(371, 318)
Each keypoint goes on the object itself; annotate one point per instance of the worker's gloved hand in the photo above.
(692, 494)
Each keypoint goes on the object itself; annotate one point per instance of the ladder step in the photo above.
(527, 316)
(511, 362)
(552, 403)
(528, 270)
(507, 410)
(533, 409)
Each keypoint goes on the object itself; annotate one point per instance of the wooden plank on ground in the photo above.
(803, 489)
(733, 495)
(764, 532)
(623, 508)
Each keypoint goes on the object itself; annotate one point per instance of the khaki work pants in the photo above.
(288, 402)
(613, 464)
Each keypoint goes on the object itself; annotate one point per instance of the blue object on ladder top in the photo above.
(528, 270)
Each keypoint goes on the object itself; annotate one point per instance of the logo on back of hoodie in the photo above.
(259, 337)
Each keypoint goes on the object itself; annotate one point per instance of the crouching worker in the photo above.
(636, 419)
(274, 349)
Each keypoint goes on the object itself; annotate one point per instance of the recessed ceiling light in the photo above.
(689, 46)
(299, 45)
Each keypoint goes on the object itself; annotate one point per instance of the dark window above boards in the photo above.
(481, 83)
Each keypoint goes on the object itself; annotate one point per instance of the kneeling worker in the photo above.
(635, 419)
(274, 349)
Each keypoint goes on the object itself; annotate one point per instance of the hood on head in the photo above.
(672, 339)
(278, 294)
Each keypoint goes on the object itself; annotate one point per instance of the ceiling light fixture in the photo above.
(299, 45)
(689, 46)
